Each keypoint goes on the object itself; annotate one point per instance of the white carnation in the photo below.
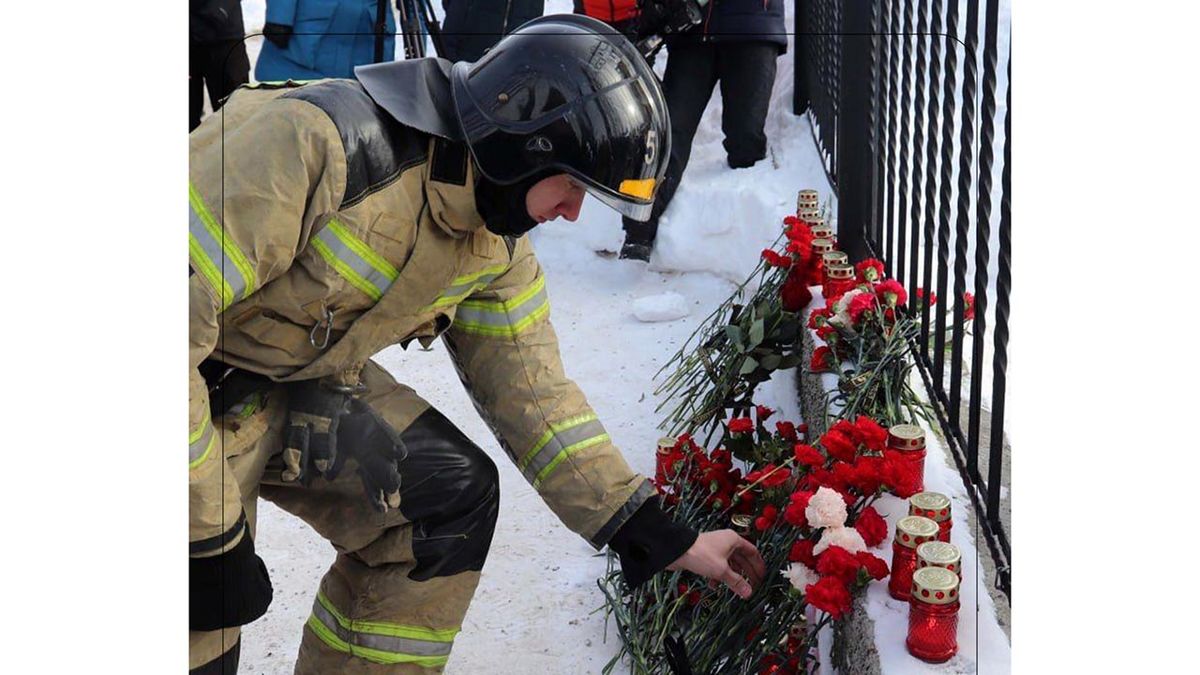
(826, 509)
(846, 537)
(801, 576)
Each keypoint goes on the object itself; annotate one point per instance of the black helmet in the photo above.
(567, 92)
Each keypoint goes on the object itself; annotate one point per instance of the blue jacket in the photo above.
(740, 21)
(315, 50)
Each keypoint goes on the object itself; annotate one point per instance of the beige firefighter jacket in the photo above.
(322, 231)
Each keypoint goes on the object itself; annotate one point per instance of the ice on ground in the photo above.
(669, 306)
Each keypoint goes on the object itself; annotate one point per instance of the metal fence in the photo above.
(904, 103)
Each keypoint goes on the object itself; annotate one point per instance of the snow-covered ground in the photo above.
(538, 592)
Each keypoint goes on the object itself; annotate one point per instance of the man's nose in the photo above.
(570, 207)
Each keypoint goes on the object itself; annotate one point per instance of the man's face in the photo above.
(558, 195)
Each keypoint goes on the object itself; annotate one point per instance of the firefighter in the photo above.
(333, 219)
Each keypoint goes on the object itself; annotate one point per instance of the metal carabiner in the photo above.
(312, 334)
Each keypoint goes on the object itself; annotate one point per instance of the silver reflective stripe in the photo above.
(361, 267)
(561, 441)
(384, 643)
(216, 254)
(498, 318)
(198, 447)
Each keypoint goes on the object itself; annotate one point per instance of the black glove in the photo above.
(377, 448)
(310, 440)
(231, 589)
(649, 541)
(277, 34)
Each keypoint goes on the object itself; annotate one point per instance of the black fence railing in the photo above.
(904, 99)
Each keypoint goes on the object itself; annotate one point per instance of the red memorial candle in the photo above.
(934, 506)
(909, 440)
(911, 532)
(933, 615)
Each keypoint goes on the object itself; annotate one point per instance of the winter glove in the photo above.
(231, 589)
(378, 450)
(310, 440)
(277, 34)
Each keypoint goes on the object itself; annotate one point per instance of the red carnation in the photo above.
(802, 428)
(741, 425)
(776, 260)
(829, 595)
(839, 563)
(802, 552)
(763, 412)
(876, 567)
(767, 519)
(839, 446)
(797, 503)
(866, 478)
(891, 293)
(822, 360)
(897, 475)
(861, 304)
(869, 433)
(795, 294)
(870, 270)
(921, 297)
(828, 333)
(774, 477)
(871, 526)
(787, 431)
(969, 311)
(807, 455)
(819, 317)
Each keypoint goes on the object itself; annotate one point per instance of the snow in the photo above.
(537, 594)
(668, 306)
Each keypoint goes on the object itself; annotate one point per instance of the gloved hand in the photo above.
(277, 34)
(231, 589)
(310, 440)
(377, 448)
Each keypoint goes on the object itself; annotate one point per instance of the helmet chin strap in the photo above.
(503, 206)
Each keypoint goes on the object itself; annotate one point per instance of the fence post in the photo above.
(855, 164)
(799, 78)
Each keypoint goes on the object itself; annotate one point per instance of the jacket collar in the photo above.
(416, 92)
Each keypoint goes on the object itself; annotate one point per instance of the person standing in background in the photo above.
(315, 39)
(736, 45)
(216, 54)
(474, 26)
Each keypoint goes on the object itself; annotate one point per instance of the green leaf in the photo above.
(791, 361)
(748, 366)
(756, 332)
(772, 361)
(735, 334)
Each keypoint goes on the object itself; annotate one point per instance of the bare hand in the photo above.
(723, 556)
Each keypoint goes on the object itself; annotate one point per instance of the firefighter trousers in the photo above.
(397, 592)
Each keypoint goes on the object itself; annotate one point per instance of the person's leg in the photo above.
(228, 70)
(687, 85)
(747, 74)
(249, 434)
(397, 592)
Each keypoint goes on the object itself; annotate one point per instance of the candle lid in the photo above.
(932, 505)
(935, 585)
(912, 531)
(808, 193)
(666, 444)
(939, 554)
(820, 230)
(906, 437)
(835, 257)
(741, 521)
(839, 271)
(822, 245)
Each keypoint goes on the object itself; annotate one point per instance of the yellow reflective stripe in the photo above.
(210, 272)
(365, 252)
(505, 318)
(467, 284)
(388, 629)
(195, 435)
(567, 452)
(346, 271)
(212, 442)
(328, 637)
(231, 250)
(554, 428)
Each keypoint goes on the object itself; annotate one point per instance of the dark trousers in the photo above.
(746, 72)
(222, 67)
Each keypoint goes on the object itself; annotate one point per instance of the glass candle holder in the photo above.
(807, 199)
(909, 440)
(940, 554)
(911, 532)
(933, 615)
(835, 258)
(838, 278)
(934, 506)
